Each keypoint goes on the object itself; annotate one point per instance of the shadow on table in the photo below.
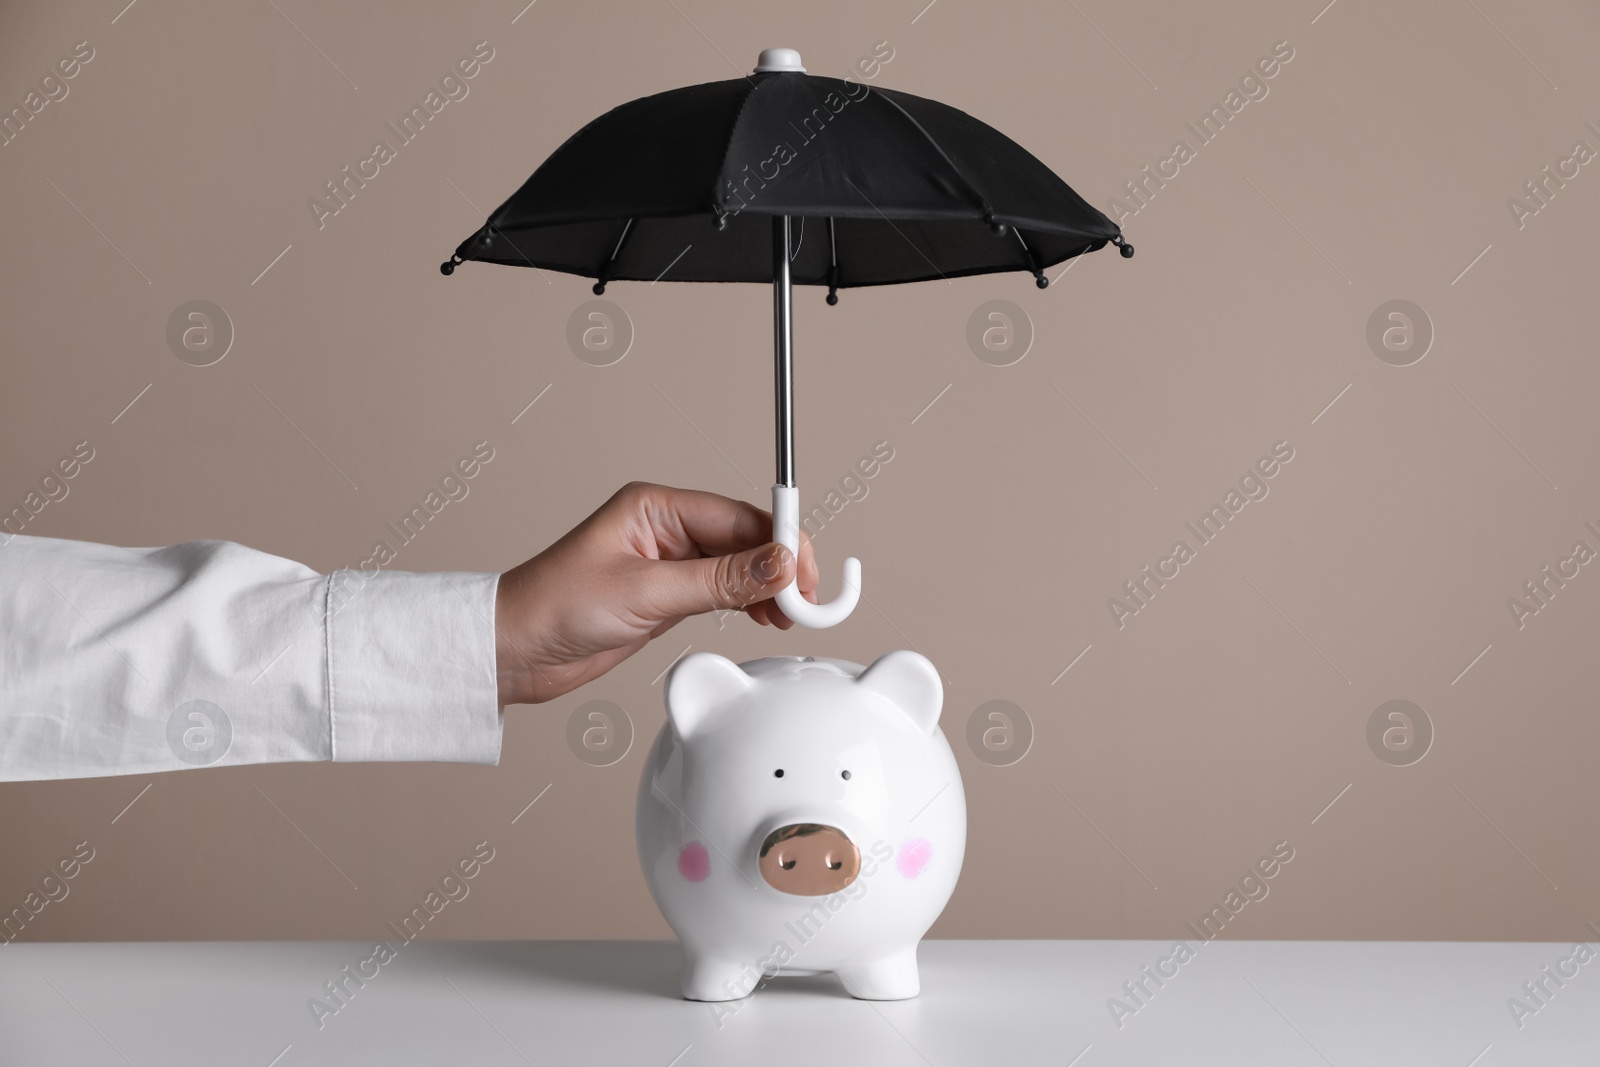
(650, 968)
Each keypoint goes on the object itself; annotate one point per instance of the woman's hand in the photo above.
(648, 558)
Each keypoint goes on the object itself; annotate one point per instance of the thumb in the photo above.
(691, 587)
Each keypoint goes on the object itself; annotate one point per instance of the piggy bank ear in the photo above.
(700, 684)
(909, 682)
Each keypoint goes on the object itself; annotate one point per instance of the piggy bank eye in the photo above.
(778, 773)
(845, 775)
(787, 865)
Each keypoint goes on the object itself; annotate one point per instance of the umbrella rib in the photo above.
(604, 274)
(1032, 257)
(983, 201)
(488, 225)
(833, 263)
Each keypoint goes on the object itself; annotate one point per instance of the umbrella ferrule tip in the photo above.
(779, 60)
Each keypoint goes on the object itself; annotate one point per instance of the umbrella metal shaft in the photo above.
(786, 494)
(783, 350)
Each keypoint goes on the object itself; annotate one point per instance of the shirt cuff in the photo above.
(411, 667)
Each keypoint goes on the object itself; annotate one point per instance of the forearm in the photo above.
(121, 661)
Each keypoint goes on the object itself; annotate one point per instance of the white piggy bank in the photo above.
(801, 816)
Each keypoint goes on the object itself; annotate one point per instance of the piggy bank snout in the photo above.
(809, 859)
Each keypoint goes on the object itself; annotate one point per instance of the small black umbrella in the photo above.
(790, 178)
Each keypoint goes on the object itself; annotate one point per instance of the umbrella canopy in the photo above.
(787, 178)
(884, 187)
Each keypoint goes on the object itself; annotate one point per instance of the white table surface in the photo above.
(983, 1002)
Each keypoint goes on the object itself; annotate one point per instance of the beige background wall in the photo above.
(1176, 751)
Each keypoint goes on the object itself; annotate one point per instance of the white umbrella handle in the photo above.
(786, 529)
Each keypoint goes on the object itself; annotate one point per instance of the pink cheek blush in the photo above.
(914, 856)
(694, 863)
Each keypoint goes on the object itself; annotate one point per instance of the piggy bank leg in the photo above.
(707, 978)
(891, 977)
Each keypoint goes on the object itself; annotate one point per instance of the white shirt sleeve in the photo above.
(207, 653)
